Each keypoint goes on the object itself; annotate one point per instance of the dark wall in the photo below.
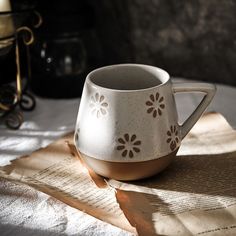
(190, 38)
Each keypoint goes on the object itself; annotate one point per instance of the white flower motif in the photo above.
(98, 105)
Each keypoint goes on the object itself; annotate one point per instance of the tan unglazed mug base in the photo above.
(128, 170)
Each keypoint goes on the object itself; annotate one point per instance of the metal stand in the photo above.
(14, 98)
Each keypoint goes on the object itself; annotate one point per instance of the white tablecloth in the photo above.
(25, 211)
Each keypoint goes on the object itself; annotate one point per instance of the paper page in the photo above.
(196, 195)
(211, 135)
(57, 171)
(191, 197)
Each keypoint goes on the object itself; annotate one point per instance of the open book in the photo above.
(195, 195)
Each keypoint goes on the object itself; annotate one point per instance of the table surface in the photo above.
(25, 211)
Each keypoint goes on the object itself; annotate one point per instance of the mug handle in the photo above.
(209, 91)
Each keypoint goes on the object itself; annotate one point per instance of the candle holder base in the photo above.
(14, 99)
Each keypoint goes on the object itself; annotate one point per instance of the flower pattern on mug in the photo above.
(155, 104)
(128, 145)
(172, 137)
(98, 105)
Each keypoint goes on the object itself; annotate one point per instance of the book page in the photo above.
(57, 171)
(195, 195)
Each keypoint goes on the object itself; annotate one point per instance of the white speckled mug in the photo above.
(127, 126)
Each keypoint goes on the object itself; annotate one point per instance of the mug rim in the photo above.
(164, 72)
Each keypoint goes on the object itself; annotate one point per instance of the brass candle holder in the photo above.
(14, 98)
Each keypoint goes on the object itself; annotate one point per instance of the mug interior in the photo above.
(128, 77)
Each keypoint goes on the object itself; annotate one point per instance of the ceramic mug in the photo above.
(127, 126)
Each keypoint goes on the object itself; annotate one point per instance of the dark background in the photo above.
(195, 39)
(190, 38)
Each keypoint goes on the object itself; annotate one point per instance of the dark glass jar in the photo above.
(65, 50)
(59, 66)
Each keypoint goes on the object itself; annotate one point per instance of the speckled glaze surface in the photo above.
(128, 113)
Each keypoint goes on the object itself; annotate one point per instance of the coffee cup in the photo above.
(127, 126)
